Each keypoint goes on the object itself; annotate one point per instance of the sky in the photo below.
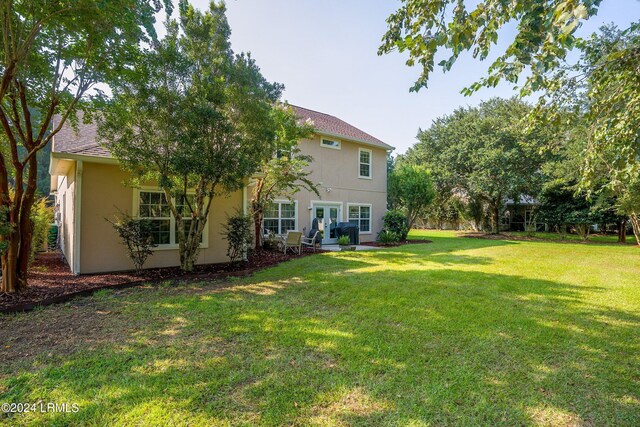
(325, 53)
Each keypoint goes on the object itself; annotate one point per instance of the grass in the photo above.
(597, 238)
(456, 332)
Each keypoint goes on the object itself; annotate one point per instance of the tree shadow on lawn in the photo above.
(441, 346)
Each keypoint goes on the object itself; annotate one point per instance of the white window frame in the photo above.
(173, 242)
(322, 144)
(360, 150)
(295, 215)
(359, 205)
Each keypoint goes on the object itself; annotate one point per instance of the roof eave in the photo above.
(352, 139)
(86, 158)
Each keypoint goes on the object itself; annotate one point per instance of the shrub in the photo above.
(387, 238)
(344, 241)
(41, 217)
(136, 235)
(395, 221)
(237, 232)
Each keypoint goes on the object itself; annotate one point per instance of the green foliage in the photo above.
(484, 155)
(602, 93)
(395, 221)
(136, 235)
(52, 238)
(544, 35)
(193, 116)
(41, 216)
(561, 206)
(287, 171)
(54, 54)
(237, 232)
(388, 238)
(411, 189)
(445, 209)
(344, 241)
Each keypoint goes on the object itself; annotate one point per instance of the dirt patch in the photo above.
(51, 280)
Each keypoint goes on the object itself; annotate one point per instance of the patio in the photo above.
(336, 248)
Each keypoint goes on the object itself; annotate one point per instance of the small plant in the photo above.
(388, 238)
(136, 235)
(237, 232)
(270, 241)
(395, 221)
(41, 217)
(344, 241)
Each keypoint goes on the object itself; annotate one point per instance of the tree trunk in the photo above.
(257, 228)
(10, 282)
(495, 218)
(622, 231)
(635, 222)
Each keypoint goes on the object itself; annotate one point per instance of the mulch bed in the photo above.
(404, 242)
(51, 280)
(505, 236)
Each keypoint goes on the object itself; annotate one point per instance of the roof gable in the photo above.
(331, 125)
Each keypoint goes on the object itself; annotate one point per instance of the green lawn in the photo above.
(456, 332)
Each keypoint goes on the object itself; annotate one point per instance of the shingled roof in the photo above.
(81, 142)
(84, 141)
(331, 125)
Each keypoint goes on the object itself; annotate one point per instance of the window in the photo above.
(361, 216)
(328, 143)
(153, 205)
(280, 217)
(364, 163)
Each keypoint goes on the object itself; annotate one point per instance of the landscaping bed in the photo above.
(548, 237)
(51, 280)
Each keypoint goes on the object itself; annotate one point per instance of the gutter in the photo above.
(359, 141)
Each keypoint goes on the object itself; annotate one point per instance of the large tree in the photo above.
(195, 118)
(53, 55)
(484, 154)
(603, 90)
(411, 189)
(286, 172)
(604, 85)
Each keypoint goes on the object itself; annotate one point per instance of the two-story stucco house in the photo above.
(349, 165)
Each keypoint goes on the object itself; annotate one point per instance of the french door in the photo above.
(328, 217)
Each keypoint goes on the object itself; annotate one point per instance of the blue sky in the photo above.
(325, 53)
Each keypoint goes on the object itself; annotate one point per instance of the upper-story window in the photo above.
(330, 143)
(364, 163)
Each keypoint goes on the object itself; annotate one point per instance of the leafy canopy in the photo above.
(194, 117)
(483, 152)
(412, 190)
(545, 33)
(53, 56)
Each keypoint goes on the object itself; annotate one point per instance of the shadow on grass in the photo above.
(325, 346)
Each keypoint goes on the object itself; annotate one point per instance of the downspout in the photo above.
(77, 218)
